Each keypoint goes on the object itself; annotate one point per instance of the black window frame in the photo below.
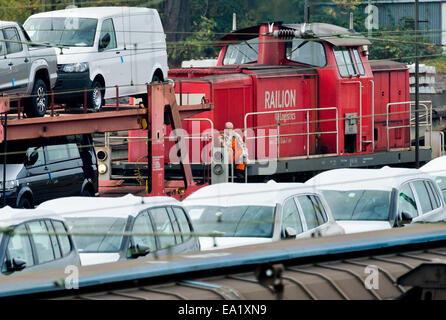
(44, 157)
(309, 196)
(226, 52)
(189, 223)
(47, 156)
(49, 224)
(132, 227)
(319, 205)
(417, 195)
(306, 64)
(351, 52)
(295, 200)
(433, 193)
(19, 39)
(5, 243)
(70, 240)
(114, 35)
(172, 215)
(355, 60)
(36, 256)
(157, 237)
(3, 51)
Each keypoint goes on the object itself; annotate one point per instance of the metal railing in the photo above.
(202, 138)
(427, 123)
(307, 133)
(373, 115)
(205, 138)
(442, 152)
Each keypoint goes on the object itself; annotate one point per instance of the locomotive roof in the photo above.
(214, 74)
(336, 35)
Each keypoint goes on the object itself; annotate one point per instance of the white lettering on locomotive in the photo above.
(279, 99)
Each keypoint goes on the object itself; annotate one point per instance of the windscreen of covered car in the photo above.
(242, 53)
(234, 221)
(98, 234)
(71, 32)
(366, 205)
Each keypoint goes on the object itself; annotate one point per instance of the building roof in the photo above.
(121, 207)
(385, 178)
(256, 194)
(93, 12)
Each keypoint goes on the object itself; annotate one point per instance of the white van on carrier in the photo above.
(100, 48)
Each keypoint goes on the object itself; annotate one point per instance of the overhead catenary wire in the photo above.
(297, 67)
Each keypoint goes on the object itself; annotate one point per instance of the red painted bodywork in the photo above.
(237, 90)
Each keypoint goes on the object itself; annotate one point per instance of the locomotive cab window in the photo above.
(344, 61)
(306, 52)
(358, 61)
(241, 53)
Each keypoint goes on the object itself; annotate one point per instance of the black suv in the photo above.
(47, 168)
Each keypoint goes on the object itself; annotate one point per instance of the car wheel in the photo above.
(96, 96)
(145, 101)
(155, 78)
(24, 203)
(86, 193)
(38, 103)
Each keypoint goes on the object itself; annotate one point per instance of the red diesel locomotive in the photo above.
(303, 95)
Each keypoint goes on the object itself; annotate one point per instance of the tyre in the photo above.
(96, 96)
(86, 193)
(24, 203)
(37, 105)
(145, 101)
(155, 78)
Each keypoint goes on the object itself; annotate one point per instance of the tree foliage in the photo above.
(192, 26)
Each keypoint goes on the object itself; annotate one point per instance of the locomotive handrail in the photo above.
(373, 115)
(427, 115)
(441, 143)
(308, 133)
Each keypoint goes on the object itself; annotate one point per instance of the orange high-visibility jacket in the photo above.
(237, 152)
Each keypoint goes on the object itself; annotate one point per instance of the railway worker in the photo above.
(238, 153)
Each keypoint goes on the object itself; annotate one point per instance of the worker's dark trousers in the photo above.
(239, 175)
